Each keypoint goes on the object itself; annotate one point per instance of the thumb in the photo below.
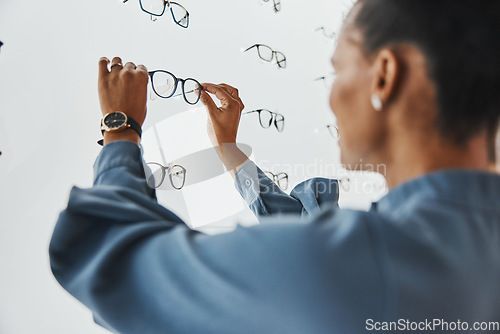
(209, 103)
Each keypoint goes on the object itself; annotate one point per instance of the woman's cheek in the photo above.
(339, 102)
(335, 104)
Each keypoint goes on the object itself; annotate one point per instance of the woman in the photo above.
(415, 90)
(494, 152)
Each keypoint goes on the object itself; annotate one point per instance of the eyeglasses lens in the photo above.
(281, 59)
(177, 176)
(192, 91)
(180, 15)
(164, 84)
(153, 7)
(266, 118)
(280, 122)
(283, 181)
(334, 131)
(265, 52)
(156, 176)
(277, 5)
(345, 183)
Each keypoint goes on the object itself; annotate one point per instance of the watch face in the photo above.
(115, 120)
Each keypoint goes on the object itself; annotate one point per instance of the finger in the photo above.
(222, 95)
(103, 67)
(212, 108)
(234, 93)
(143, 69)
(226, 90)
(129, 66)
(116, 63)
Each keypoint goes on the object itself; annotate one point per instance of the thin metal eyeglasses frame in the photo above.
(177, 80)
(328, 79)
(273, 118)
(276, 5)
(334, 131)
(274, 55)
(168, 4)
(345, 183)
(329, 35)
(276, 179)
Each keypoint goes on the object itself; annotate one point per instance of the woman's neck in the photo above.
(411, 157)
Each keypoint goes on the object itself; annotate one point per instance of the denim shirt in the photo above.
(265, 198)
(430, 249)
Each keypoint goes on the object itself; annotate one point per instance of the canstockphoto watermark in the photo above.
(437, 325)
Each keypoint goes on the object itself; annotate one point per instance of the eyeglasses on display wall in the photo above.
(176, 175)
(267, 54)
(281, 179)
(266, 118)
(276, 5)
(157, 8)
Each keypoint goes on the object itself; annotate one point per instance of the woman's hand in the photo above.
(123, 88)
(223, 122)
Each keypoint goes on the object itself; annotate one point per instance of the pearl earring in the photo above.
(376, 102)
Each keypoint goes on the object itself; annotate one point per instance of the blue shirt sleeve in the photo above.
(264, 197)
(140, 269)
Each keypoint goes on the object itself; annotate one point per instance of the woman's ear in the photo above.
(387, 71)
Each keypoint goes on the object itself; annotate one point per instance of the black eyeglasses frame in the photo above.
(177, 80)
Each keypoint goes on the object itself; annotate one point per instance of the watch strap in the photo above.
(132, 125)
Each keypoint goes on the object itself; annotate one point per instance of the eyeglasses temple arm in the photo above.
(253, 46)
(249, 112)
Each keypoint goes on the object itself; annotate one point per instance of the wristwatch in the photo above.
(118, 121)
